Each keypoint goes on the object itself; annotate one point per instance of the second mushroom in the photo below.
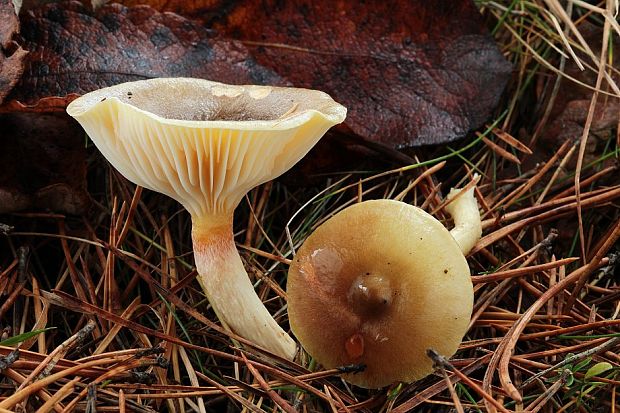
(380, 283)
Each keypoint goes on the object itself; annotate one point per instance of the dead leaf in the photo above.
(10, 22)
(11, 56)
(47, 104)
(11, 68)
(572, 103)
(410, 72)
(43, 160)
(74, 50)
(201, 9)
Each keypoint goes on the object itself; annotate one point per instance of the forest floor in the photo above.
(544, 329)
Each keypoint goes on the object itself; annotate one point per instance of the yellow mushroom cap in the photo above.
(200, 142)
(378, 284)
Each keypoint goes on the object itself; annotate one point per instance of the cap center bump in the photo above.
(370, 294)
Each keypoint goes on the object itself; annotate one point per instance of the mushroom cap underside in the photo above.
(378, 284)
(204, 143)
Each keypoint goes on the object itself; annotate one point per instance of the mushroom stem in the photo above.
(464, 211)
(229, 290)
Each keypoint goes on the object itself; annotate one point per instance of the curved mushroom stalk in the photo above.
(230, 292)
(206, 144)
(467, 225)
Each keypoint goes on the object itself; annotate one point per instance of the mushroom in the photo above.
(463, 208)
(206, 144)
(381, 282)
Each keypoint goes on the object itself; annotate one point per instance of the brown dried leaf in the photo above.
(47, 104)
(11, 56)
(410, 72)
(11, 69)
(74, 50)
(195, 8)
(43, 163)
(10, 22)
(572, 103)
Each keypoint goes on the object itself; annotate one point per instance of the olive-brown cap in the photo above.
(378, 284)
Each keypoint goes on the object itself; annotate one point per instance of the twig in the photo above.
(440, 360)
(506, 347)
(46, 366)
(575, 357)
(18, 396)
(55, 400)
(518, 272)
(582, 151)
(542, 400)
(8, 360)
(284, 405)
(455, 398)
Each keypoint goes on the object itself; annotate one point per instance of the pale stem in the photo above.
(229, 290)
(467, 225)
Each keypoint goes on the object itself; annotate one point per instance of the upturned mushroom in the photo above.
(381, 282)
(206, 144)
